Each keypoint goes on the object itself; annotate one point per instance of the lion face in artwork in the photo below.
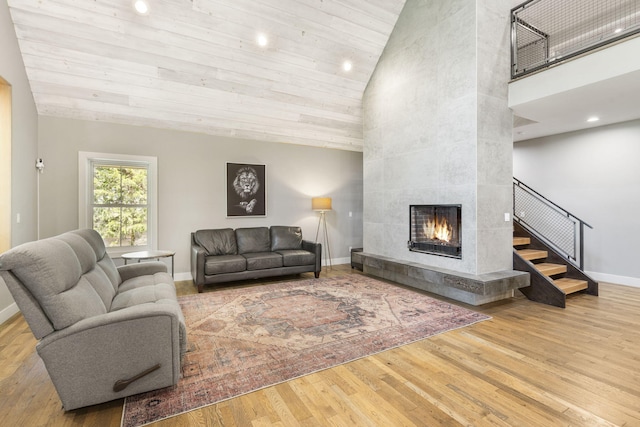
(246, 183)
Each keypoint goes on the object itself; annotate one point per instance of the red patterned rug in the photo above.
(245, 339)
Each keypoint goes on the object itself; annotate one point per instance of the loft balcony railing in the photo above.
(546, 32)
(557, 227)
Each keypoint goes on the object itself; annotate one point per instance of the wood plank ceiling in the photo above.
(195, 65)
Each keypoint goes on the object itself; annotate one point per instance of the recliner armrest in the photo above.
(86, 359)
(141, 269)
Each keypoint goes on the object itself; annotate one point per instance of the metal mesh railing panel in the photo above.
(546, 220)
(532, 48)
(549, 30)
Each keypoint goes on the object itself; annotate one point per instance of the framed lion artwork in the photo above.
(246, 190)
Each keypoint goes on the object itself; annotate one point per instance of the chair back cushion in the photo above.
(217, 242)
(71, 277)
(251, 240)
(284, 238)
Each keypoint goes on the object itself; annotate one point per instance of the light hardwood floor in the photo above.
(530, 365)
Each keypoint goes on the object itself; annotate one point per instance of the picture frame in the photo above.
(246, 190)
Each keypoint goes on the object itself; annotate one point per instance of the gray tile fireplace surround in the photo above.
(467, 288)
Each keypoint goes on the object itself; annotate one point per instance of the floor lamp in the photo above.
(322, 205)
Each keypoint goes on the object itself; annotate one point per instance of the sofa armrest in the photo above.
(149, 268)
(86, 359)
(316, 248)
(198, 254)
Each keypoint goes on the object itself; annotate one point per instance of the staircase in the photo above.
(552, 276)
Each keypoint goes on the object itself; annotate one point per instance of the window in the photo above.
(118, 200)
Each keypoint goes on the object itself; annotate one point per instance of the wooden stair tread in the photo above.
(549, 269)
(570, 286)
(532, 254)
(519, 241)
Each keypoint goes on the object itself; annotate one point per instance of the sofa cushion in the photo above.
(105, 262)
(253, 240)
(224, 264)
(293, 257)
(162, 292)
(145, 280)
(263, 260)
(95, 275)
(217, 242)
(285, 238)
(159, 293)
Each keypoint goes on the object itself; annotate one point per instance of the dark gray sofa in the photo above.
(224, 255)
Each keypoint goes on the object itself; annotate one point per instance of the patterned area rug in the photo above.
(245, 339)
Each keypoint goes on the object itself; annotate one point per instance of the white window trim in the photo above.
(85, 158)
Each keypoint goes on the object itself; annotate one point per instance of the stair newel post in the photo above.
(513, 194)
(581, 245)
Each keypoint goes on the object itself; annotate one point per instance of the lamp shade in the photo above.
(321, 203)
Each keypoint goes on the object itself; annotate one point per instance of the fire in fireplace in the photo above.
(436, 229)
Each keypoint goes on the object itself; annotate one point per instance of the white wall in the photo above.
(24, 147)
(191, 181)
(559, 99)
(595, 175)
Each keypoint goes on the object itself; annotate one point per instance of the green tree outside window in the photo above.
(120, 204)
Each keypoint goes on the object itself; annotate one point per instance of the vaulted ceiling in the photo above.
(195, 65)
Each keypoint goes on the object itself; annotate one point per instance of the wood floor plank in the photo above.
(531, 364)
(540, 412)
(281, 407)
(400, 396)
(313, 401)
(370, 401)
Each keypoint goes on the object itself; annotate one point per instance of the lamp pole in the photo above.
(322, 205)
(322, 221)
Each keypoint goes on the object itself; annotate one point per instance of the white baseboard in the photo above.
(182, 276)
(8, 312)
(338, 261)
(618, 280)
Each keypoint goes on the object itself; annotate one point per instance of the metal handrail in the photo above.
(578, 261)
(540, 196)
(526, 59)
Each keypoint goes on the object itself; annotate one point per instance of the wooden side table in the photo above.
(149, 255)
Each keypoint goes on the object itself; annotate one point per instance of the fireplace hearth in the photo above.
(436, 230)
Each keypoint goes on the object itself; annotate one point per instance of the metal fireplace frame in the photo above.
(451, 251)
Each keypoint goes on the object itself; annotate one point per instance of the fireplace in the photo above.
(436, 229)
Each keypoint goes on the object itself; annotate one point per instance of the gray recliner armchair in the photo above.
(104, 332)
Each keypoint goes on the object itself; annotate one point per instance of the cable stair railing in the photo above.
(549, 245)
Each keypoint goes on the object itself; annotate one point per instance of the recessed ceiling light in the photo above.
(347, 66)
(141, 7)
(262, 40)
(618, 30)
(593, 119)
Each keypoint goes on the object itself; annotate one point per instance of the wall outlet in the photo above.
(350, 214)
(18, 218)
(507, 217)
